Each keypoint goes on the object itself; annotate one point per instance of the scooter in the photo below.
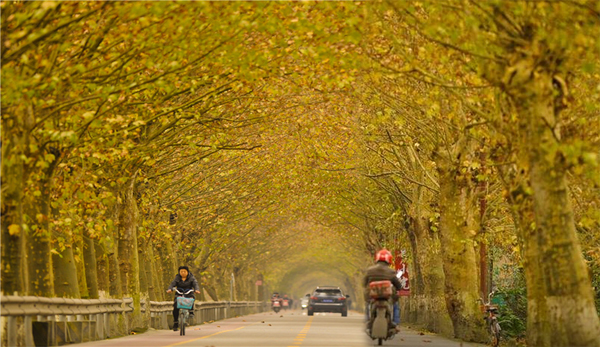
(380, 312)
(286, 304)
(276, 306)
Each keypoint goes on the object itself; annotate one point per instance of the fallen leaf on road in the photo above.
(421, 333)
(281, 316)
(426, 340)
(243, 320)
(269, 324)
(262, 321)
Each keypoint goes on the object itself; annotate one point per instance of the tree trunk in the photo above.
(14, 255)
(41, 278)
(128, 250)
(457, 228)
(115, 288)
(91, 271)
(38, 211)
(65, 274)
(160, 286)
(143, 266)
(211, 292)
(428, 286)
(433, 311)
(561, 310)
(102, 270)
(81, 270)
(168, 265)
(147, 256)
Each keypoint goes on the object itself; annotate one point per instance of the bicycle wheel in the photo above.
(495, 334)
(181, 322)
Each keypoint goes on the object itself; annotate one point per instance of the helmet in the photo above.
(384, 255)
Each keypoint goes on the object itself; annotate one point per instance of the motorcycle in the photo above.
(286, 304)
(378, 327)
(276, 305)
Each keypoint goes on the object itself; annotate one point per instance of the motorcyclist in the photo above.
(184, 280)
(381, 271)
(285, 297)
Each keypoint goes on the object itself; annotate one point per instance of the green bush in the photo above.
(512, 314)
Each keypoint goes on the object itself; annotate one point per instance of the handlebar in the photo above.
(184, 293)
(489, 298)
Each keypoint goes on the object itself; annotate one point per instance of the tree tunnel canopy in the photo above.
(289, 141)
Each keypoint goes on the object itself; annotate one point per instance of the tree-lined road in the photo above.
(293, 329)
(277, 146)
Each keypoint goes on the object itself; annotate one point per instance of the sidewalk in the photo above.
(410, 337)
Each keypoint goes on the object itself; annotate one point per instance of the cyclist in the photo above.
(184, 280)
(381, 271)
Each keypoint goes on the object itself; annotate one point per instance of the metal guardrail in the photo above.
(39, 321)
(36, 305)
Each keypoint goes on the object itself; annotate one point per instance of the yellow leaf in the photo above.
(14, 229)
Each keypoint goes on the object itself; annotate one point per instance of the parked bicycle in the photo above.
(185, 304)
(491, 318)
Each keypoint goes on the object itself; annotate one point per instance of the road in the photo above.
(289, 329)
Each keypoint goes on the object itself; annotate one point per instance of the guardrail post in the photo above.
(11, 331)
(28, 332)
(99, 325)
(52, 331)
(106, 332)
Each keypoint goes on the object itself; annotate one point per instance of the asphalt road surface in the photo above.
(285, 329)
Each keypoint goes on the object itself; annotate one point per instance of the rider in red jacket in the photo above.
(381, 271)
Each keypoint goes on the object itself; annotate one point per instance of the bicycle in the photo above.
(185, 303)
(491, 318)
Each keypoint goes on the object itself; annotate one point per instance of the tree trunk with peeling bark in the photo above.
(561, 309)
(431, 308)
(457, 228)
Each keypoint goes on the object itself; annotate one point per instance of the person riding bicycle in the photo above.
(381, 271)
(184, 280)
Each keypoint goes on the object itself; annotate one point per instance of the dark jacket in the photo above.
(189, 283)
(381, 272)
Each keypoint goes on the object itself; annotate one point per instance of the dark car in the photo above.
(328, 299)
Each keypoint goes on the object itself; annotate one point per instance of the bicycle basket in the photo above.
(185, 303)
(380, 289)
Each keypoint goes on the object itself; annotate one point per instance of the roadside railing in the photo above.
(39, 321)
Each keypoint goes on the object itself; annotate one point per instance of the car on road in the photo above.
(328, 299)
